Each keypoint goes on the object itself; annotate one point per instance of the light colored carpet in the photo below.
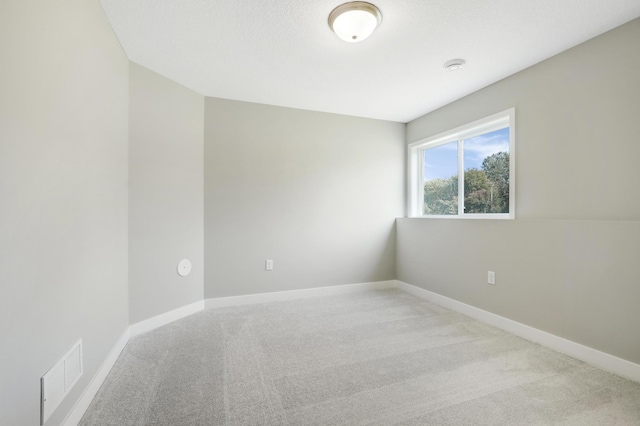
(371, 358)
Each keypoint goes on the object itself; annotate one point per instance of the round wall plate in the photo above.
(184, 267)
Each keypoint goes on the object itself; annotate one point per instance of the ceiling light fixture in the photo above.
(454, 64)
(354, 21)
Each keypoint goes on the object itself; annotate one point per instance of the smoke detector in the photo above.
(454, 64)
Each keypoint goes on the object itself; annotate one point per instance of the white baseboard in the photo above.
(592, 356)
(78, 410)
(250, 299)
(589, 355)
(76, 413)
(166, 318)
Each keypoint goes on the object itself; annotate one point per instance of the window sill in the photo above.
(469, 216)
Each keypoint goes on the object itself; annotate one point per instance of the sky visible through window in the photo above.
(442, 162)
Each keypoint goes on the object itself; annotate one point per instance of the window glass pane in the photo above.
(486, 173)
(441, 179)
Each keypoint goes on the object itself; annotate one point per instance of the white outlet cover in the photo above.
(184, 267)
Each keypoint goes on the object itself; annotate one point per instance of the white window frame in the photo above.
(415, 179)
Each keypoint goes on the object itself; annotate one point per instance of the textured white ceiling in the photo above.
(282, 52)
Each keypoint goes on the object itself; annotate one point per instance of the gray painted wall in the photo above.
(568, 263)
(315, 192)
(165, 194)
(63, 185)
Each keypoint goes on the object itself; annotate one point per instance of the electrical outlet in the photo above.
(491, 277)
(268, 265)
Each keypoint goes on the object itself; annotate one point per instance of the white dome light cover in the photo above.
(354, 21)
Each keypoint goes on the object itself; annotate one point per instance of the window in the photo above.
(466, 172)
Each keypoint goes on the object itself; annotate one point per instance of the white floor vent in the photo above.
(58, 381)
